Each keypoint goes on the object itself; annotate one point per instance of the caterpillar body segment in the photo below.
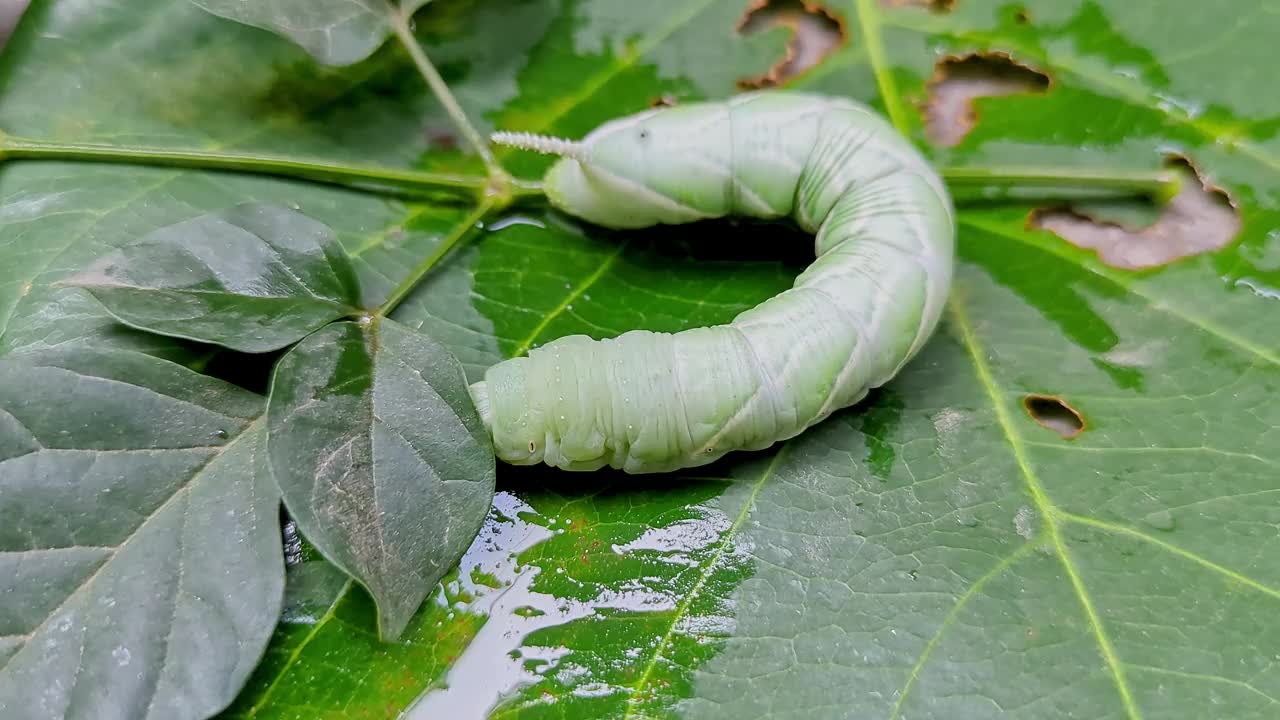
(655, 402)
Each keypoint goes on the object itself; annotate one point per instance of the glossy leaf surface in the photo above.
(252, 278)
(381, 457)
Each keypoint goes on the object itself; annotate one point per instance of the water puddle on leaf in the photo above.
(520, 653)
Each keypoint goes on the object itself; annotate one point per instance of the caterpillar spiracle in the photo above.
(655, 402)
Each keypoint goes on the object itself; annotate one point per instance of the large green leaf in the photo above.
(139, 556)
(381, 457)
(932, 553)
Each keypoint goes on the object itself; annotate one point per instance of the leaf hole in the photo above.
(1054, 413)
(815, 33)
(950, 113)
(1133, 235)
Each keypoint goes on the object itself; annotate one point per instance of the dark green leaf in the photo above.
(381, 457)
(167, 73)
(253, 278)
(139, 546)
(335, 32)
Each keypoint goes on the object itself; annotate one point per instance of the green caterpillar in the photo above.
(655, 402)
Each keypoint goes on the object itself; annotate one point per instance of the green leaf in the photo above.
(381, 457)
(253, 278)
(736, 591)
(175, 75)
(335, 32)
(934, 552)
(139, 555)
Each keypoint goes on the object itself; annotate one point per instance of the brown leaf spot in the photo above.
(938, 6)
(664, 100)
(442, 139)
(950, 114)
(1201, 218)
(1054, 413)
(815, 33)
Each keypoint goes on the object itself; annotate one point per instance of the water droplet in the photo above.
(1160, 520)
(121, 655)
(568, 307)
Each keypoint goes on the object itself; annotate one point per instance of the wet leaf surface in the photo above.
(932, 553)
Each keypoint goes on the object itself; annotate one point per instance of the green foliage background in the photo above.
(933, 553)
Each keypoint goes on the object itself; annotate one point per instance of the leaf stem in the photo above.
(1160, 185)
(373, 177)
(868, 17)
(451, 240)
(355, 175)
(399, 21)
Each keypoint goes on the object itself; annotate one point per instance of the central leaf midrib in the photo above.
(683, 609)
(1048, 512)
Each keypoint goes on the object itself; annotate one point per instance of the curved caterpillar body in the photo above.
(655, 402)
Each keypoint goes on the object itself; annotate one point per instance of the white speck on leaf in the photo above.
(1022, 521)
(121, 655)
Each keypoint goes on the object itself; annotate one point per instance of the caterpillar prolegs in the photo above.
(654, 402)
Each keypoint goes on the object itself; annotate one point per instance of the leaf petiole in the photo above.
(399, 22)
(455, 236)
(304, 168)
(369, 177)
(1160, 185)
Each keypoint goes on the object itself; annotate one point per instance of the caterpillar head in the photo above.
(635, 171)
